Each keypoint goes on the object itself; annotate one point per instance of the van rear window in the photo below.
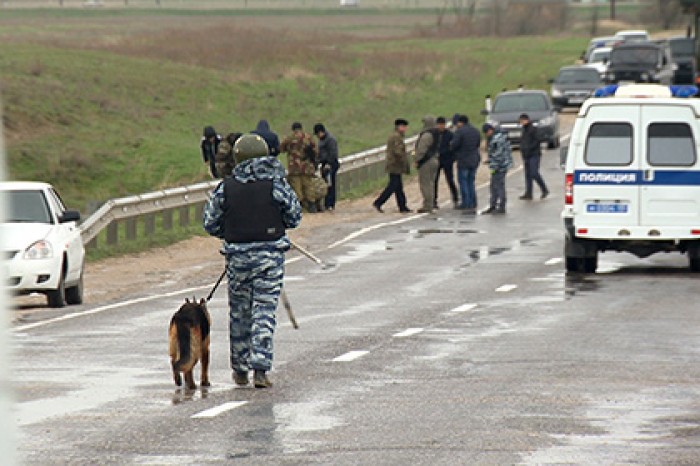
(671, 144)
(609, 144)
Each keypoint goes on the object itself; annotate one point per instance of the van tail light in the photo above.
(695, 232)
(569, 189)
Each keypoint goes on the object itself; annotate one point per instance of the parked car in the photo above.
(640, 62)
(599, 59)
(509, 105)
(683, 55)
(574, 84)
(632, 35)
(41, 243)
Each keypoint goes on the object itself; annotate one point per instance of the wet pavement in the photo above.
(443, 339)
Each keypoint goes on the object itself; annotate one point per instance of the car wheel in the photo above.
(57, 297)
(573, 264)
(74, 294)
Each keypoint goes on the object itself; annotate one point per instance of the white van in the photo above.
(633, 176)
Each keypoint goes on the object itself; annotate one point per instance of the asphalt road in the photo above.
(434, 339)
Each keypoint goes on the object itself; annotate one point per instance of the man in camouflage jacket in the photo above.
(302, 156)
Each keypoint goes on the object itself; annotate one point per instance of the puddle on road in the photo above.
(484, 252)
(362, 251)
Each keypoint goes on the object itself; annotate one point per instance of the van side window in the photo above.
(609, 144)
(671, 144)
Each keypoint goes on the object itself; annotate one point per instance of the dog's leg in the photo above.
(205, 363)
(189, 379)
(176, 376)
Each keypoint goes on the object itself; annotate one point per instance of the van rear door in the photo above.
(606, 189)
(670, 186)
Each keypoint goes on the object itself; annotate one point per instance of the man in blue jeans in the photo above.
(465, 146)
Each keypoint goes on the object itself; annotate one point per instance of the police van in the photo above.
(633, 175)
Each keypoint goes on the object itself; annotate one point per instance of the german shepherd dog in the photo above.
(189, 342)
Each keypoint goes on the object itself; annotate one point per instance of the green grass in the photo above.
(99, 121)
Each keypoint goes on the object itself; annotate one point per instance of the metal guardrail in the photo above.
(144, 213)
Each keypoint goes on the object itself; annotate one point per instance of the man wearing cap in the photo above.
(396, 165)
(499, 160)
(328, 159)
(250, 210)
(532, 153)
(302, 157)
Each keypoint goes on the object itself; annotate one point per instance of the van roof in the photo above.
(622, 101)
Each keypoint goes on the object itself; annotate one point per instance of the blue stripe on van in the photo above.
(636, 177)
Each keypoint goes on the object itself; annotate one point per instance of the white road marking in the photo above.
(216, 410)
(506, 288)
(362, 231)
(554, 261)
(408, 332)
(350, 356)
(294, 278)
(464, 307)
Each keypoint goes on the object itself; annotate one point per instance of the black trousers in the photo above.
(532, 173)
(448, 168)
(395, 186)
(331, 177)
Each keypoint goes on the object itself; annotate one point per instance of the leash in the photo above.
(216, 285)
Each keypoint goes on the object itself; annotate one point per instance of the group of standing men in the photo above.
(437, 150)
(305, 158)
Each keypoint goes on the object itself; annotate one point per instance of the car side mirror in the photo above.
(550, 80)
(69, 216)
(558, 109)
(484, 112)
(563, 152)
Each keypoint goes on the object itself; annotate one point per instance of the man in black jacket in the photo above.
(532, 153)
(210, 146)
(447, 161)
(465, 145)
(328, 159)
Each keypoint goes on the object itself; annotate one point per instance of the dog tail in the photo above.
(184, 344)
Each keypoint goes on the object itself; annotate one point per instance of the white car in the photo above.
(41, 243)
(633, 35)
(599, 59)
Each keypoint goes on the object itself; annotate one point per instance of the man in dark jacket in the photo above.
(396, 165)
(447, 161)
(210, 146)
(532, 153)
(465, 145)
(273, 142)
(328, 159)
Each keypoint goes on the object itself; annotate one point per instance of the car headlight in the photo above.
(611, 76)
(644, 76)
(39, 250)
(556, 92)
(548, 121)
(493, 123)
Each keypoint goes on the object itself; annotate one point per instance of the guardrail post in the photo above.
(113, 233)
(131, 228)
(184, 216)
(198, 212)
(168, 219)
(149, 224)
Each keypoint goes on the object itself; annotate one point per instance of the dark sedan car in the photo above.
(574, 84)
(509, 105)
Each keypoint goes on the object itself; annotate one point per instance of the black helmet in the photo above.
(249, 146)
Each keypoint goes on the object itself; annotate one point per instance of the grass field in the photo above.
(105, 104)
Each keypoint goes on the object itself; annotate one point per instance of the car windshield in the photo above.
(27, 207)
(583, 76)
(641, 56)
(684, 47)
(600, 56)
(520, 103)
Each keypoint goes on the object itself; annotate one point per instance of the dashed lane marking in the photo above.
(216, 410)
(506, 288)
(554, 261)
(350, 356)
(464, 308)
(408, 332)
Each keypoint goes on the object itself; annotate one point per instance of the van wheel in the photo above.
(590, 264)
(694, 265)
